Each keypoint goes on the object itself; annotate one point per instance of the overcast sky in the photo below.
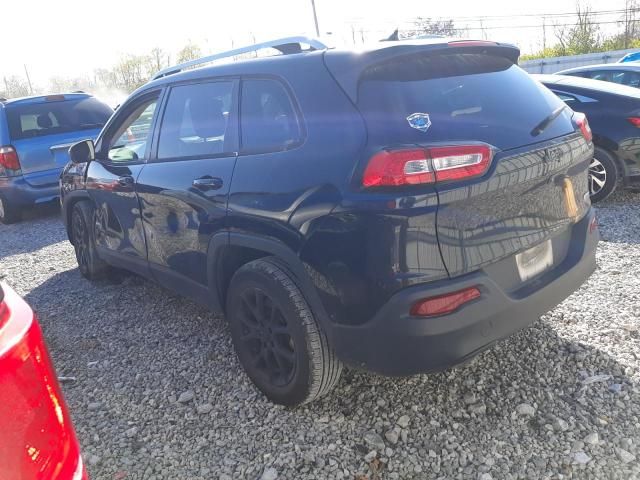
(73, 37)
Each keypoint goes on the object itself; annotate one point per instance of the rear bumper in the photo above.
(395, 343)
(19, 192)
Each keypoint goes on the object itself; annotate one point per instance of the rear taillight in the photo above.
(444, 304)
(9, 158)
(583, 125)
(635, 121)
(426, 165)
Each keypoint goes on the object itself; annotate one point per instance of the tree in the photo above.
(583, 37)
(13, 87)
(189, 52)
(428, 26)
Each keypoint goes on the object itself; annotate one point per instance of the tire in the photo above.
(603, 175)
(8, 213)
(89, 263)
(277, 338)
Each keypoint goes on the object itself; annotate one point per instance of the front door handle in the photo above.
(207, 183)
(126, 181)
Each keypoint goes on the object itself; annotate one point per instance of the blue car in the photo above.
(35, 135)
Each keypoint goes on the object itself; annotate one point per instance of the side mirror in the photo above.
(82, 152)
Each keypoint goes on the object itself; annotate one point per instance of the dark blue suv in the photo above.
(397, 209)
(35, 135)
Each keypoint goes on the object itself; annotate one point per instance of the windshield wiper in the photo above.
(541, 127)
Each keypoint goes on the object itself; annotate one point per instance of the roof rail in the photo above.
(285, 45)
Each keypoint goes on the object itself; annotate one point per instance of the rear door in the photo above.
(183, 190)
(41, 132)
(469, 98)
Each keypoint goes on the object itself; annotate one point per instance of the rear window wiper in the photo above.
(539, 128)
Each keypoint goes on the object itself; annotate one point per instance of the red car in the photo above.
(37, 440)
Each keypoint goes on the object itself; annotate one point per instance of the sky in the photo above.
(71, 38)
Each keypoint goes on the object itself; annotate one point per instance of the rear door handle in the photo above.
(207, 183)
(126, 181)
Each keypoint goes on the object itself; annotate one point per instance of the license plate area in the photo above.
(535, 260)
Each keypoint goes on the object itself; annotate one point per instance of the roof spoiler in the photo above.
(347, 66)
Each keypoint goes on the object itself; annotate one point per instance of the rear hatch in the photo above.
(535, 185)
(42, 130)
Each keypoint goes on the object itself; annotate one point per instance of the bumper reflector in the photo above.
(444, 304)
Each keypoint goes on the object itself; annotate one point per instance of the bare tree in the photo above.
(428, 26)
(14, 86)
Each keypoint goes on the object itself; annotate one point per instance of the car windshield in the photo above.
(49, 118)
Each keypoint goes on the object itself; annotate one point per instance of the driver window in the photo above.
(129, 142)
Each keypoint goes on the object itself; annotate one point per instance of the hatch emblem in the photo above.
(419, 121)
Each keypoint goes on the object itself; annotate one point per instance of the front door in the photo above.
(183, 188)
(111, 181)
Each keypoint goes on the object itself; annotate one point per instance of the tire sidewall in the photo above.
(95, 268)
(608, 162)
(10, 213)
(296, 391)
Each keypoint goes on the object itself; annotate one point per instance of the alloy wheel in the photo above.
(266, 337)
(597, 176)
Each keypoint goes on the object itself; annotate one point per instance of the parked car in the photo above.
(37, 439)
(624, 74)
(630, 57)
(35, 135)
(397, 209)
(614, 115)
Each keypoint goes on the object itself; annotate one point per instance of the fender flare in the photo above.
(271, 247)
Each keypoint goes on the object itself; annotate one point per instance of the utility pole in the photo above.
(544, 33)
(28, 79)
(315, 17)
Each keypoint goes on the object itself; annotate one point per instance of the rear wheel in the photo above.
(603, 175)
(8, 212)
(82, 221)
(279, 342)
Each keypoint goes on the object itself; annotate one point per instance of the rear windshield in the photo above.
(456, 97)
(48, 118)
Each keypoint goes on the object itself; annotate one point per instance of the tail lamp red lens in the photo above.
(583, 125)
(9, 158)
(635, 121)
(426, 165)
(444, 304)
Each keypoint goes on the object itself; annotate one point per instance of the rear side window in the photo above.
(196, 121)
(268, 120)
(456, 97)
(603, 75)
(52, 117)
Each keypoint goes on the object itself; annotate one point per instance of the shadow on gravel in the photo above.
(134, 348)
(40, 226)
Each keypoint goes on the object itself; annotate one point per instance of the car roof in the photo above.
(588, 84)
(349, 61)
(603, 66)
(44, 98)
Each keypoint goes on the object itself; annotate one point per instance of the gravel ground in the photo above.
(159, 392)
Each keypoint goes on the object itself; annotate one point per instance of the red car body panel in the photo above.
(37, 439)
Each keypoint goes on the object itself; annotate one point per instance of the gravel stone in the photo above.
(404, 421)
(591, 439)
(186, 397)
(269, 473)
(624, 456)
(134, 348)
(581, 458)
(204, 409)
(391, 436)
(372, 439)
(524, 409)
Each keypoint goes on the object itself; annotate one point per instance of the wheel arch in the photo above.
(228, 251)
(70, 200)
